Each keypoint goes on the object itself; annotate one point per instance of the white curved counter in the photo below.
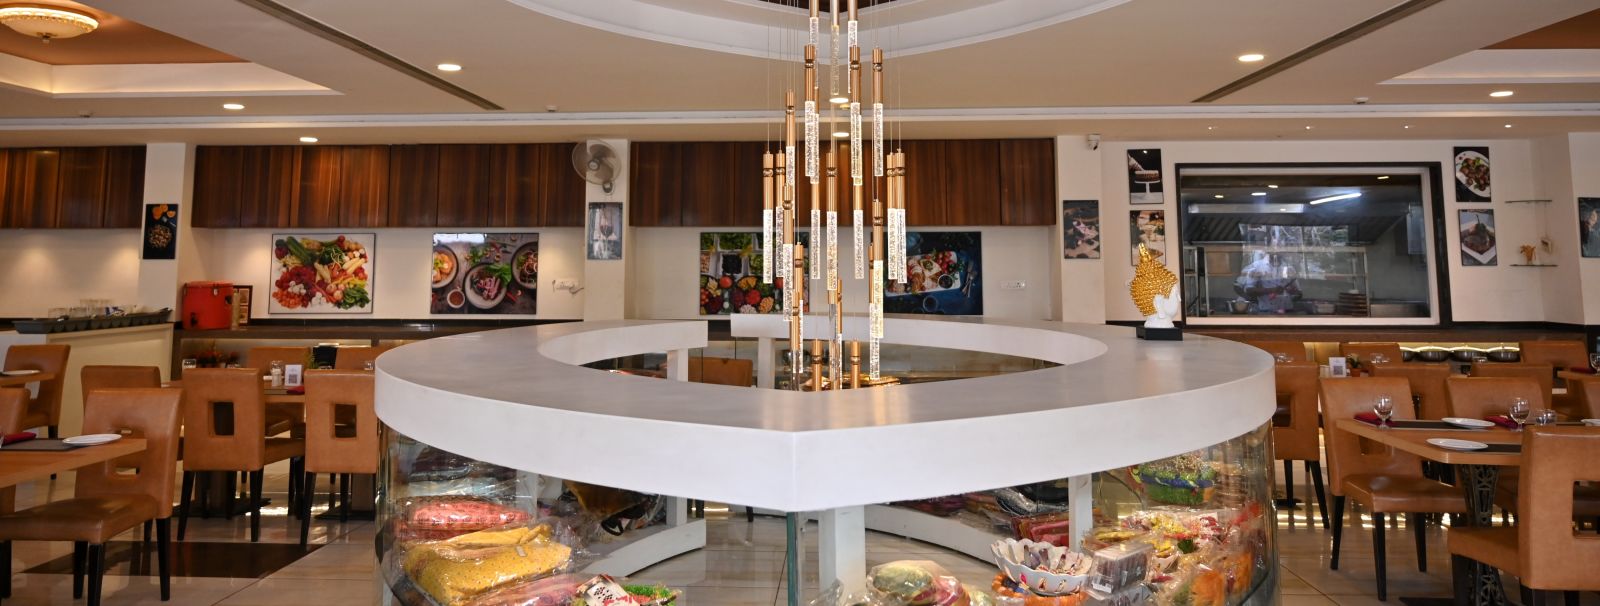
(517, 398)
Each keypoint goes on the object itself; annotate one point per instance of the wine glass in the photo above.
(1384, 408)
(1594, 361)
(1545, 417)
(1281, 358)
(1519, 412)
(1379, 358)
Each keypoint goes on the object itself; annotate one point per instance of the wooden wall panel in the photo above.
(413, 192)
(972, 182)
(925, 183)
(516, 197)
(1028, 182)
(217, 181)
(32, 176)
(318, 200)
(363, 186)
(5, 164)
(464, 184)
(81, 188)
(269, 187)
(655, 197)
(707, 184)
(124, 200)
(564, 191)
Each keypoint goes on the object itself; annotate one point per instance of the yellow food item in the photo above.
(454, 570)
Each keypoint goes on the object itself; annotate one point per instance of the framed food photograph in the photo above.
(1144, 177)
(1080, 229)
(730, 275)
(943, 275)
(1472, 175)
(322, 273)
(1147, 227)
(1589, 227)
(1478, 246)
(243, 296)
(484, 273)
(605, 231)
(160, 231)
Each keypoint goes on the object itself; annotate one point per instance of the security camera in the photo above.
(1094, 141)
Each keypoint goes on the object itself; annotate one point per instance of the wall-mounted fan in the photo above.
(597, 162)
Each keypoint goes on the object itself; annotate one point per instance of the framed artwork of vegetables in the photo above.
(321, 274)
(484, 274)
(730, 275)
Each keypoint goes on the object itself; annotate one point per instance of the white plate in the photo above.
(93, 439)
(1468, 423)
(1450, 444)
(19, 373)
(1461, 178)
(1592, 422)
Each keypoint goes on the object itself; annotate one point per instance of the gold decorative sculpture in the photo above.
(1154, 290)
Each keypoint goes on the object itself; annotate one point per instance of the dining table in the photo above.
(14, 380)
(1477, 472)
(18, 466)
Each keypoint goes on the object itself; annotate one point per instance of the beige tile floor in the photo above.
(741, 565)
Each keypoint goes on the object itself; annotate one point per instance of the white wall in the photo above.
(1562, 291)
(665, 281)
(43, 269)
(1078, 177)
(401, 269)
(1500, 293)
(1585, 169)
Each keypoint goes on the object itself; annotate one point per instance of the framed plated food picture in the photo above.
(1472, 175)
(1478, 243)
(481, 273)
(160, 231)
(943, 275)
(321, 273)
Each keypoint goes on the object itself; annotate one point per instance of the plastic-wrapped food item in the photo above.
(1052, 528)
(438, 518)
(1119, 566)
(455, 570)
(434, 465)
(920, 583)
(1008, 593)
(548, 591)
(1186, 479)
(1127, 596)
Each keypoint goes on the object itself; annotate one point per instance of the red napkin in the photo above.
(1501, 420)
(1371, 418)
(21, 436)
(1581, 369)
(299, 391)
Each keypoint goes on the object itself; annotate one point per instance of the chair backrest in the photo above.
(260, 358)
(1298, 441)
(1344, 398)
(1543, 373)
(355, 358)
(119, 377)
(721, 371)
(1427, 385)
(148, 413)
(1478, 397)
(214, 440)
(13, 407)
(1553, 556)
(326, 450)
(50, 358)
(1560, 354)
(1296, 350)
(1365, 351)
(1586, 396)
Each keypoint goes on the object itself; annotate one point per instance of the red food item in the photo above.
(445, 517)
(752, 297)
(714, 305)
(279, 252)
(725, 282)
(549, 591)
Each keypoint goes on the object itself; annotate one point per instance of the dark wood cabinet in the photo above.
(413, 193)
(464, 175)
(926, 185)
(217, 176)
(363, 186)
(564, 192)
(80, 188)
(1028, 182)
(269, 186)
(318, 201)
(655, 187)
(124, 201)
(972, 182)
(71, 187)
(32, 177)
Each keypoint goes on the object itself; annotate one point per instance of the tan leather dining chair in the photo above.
(44, 409)
(333, 447)
(13, 407)
(1543, 549)
(1539, 372)
(261, 358)
(1479, 397)
(1562, 354)
(1385, 481)
(1585, 397)
(93, 378)
(721, 371)
(1300, 438)
(215, 440)
(106, 501)
(1427, 385)
(1365, 351)
(356, 358)
(1296, 350)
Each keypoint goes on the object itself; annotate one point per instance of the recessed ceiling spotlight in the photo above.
(308, 139)
(1508, 126)
(1211, 128)
(1258, 193)
(449, 67)
(1502, 93)
(1251, 57)
(1406, 126)
(1218, 196)
(1272, 187)
(1308, 127)
(841, 134)
(839, 100)
(1382, 177)
(233, 106)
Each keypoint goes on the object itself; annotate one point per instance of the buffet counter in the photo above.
(519, 399)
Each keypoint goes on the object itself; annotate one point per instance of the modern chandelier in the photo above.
(883, 256)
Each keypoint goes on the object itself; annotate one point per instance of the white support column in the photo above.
(677, 370)
(605, 283)
(1080, 284)
(765, 379)
(842, 549)
(1080, 495)
(169, 179)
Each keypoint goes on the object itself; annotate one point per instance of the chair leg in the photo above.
(54, 432)
(307, 488)
(230, 484)
(163, 553)
(1418, 529)
(96, 572)
(144, 539)
(203, 492)
(1314, 469)
(184, 499)
(1569, 598)
(1338, 530)
(1288, 487)
(749, 514)
(344, 498)
(1379, 555)
(256, 478)
(80, 555)
(5, 560)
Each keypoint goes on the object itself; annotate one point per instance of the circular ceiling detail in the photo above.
(754, 28)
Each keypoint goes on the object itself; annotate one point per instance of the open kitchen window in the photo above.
(1308, 245)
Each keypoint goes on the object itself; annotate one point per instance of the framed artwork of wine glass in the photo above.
(605, 231)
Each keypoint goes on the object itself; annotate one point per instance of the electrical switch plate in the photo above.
(1013, 285)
